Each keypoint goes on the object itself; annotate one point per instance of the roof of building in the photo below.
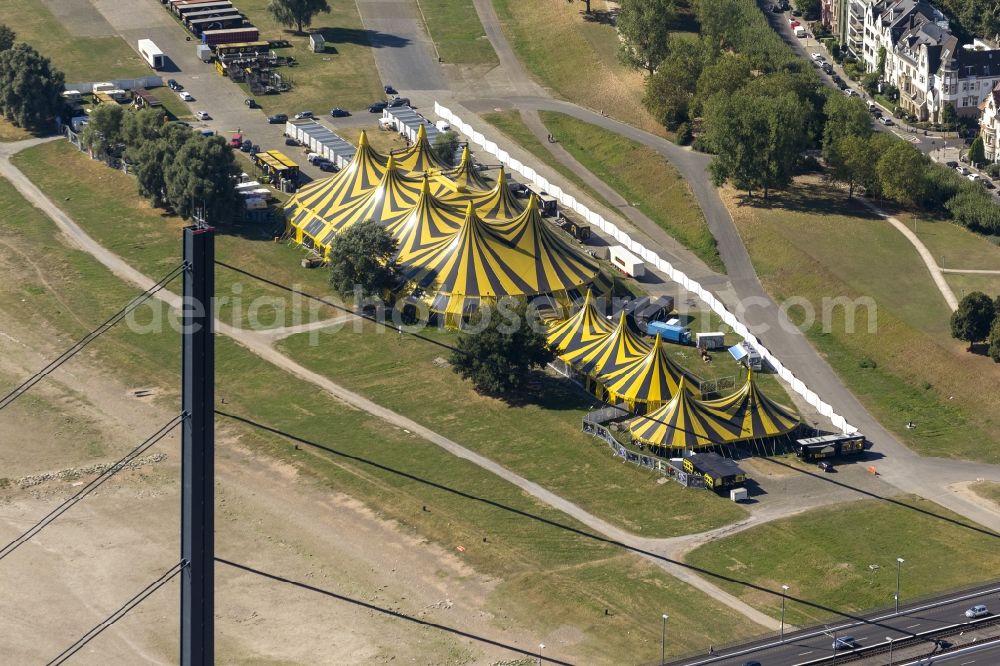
(716, 465)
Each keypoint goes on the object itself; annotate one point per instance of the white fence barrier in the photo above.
(121, 84)
(620, 236)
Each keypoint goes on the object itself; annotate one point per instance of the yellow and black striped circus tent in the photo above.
(753, 414)
(581, 330)
(612, 352)
(684, 423)
(461, 243)
(648, 382)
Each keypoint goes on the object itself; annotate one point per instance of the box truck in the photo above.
(626, 262)
(669, 332)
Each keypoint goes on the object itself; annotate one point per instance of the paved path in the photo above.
(971, 271)
(925, 254)
(261, 345)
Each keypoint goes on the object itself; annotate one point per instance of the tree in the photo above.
(30, 88)
(644, 29)
(7, 37)
(499, 358)
(727, 75)
(103, 131)
(994, 341)
(973, 319)
(445, 146)
(949, 116)
(297, 13)
(141, 127)
(845, 116)
(669, 91)
(757, 140)
(853, 161)
(810, 8)
(880, 66)
(201, 177)
(901, 174)
(362, 258)
(977, 153)
(587, 3)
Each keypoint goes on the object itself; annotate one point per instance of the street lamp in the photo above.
(889, 638)
(541, 646)
(899, 562)
(663, 640)
(784, 591)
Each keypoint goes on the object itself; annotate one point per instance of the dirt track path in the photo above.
(261, 346)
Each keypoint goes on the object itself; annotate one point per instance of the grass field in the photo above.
(642, 177)
(344, 76)
(824, 555)
(955, 247)
(406, 379)
(82, 59)
(964, 284)
(809, 243)
(551, 579)
(8, 132)
(575, 58)
(511, 124)
(457, 33)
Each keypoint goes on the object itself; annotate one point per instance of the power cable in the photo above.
(387, 611)
(93, 485)
(89, 337)
(97, 629)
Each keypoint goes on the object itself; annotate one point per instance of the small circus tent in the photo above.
(648, 382)
(684, 423)
(753, 414)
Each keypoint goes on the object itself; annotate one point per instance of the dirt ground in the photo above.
(123, 536)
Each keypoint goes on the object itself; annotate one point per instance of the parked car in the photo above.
(977, 611)
(389, 90)
(291, 142)
(973, 177)
(277, 118)
(845, 643)
(886, 121)
(173, 85)
(826, 466)
(302, 115)
(951, 164)
(202, 115)
(338, 112)
(327, 165)
(254, 149)
(964, 170)
(850, 92)
(837, 80)
(987, 184)
(399, 101)
(796, 13)
(377, 107)
(817, 56)
(827, 67)
(246, 145)
(776, 9)
(251, 103)
(752, 662)
(185, 96)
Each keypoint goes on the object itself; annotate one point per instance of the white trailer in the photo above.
(626, 262)
(714, 340)
(152, 54)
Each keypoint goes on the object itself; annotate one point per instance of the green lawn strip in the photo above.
(810, 245)
(542, 442)
(532, 559)
(8, 132)
(456, 30)
(988, 490)
(824, 556)
(104, 202)
(643, 178)
(82, 59)
(172, 104)
(955, 247)
(344, 76)
(575, 58)
(510, 123)
(964, 284)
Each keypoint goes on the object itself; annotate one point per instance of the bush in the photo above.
(993, 170)
(684, 134)
(867, 362)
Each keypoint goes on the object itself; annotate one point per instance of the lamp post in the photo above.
(899, 562)
(889, 638)
(663, 640)
(541, 646)
(784, 591)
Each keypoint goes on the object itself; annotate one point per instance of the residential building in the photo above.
(853, 30)
(989, 124)
(885, 22)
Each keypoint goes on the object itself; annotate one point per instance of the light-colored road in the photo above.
(261, 345)
(970, 271)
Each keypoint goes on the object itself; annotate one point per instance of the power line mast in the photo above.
(198, 449)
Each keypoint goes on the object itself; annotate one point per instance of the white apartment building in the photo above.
(885, 22)
(989, 124)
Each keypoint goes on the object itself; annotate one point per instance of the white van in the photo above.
(800, 32)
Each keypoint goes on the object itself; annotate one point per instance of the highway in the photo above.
(807, 645)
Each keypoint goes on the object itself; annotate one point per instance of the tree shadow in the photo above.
(816, 201)
(361, 37)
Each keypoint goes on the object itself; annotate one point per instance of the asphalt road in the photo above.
(817, 642)
(404, 55)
